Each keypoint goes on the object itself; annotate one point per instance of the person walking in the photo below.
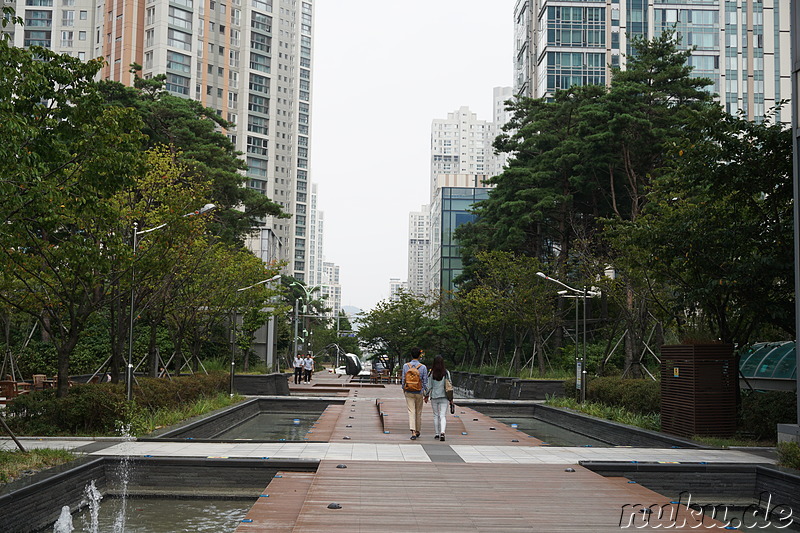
(436, 392)
(308, 367)
(414, 381)
(298, 369)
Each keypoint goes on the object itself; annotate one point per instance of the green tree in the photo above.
(64, 154)
(550, 183)
(192, 132)
(717, 229)
(395, 326)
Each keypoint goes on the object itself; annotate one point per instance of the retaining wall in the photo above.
(504, 388)
(34, 503)
(710, 483)
(597, 428)
(262, 384)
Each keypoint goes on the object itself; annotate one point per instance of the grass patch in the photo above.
(789, 455)
(650, 421)
(15, 464)
(149, 421)
(723, 442)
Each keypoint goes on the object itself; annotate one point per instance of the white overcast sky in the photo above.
(383, 70)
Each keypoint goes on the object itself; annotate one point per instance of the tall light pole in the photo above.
(580, 362)
(129, 374)
(233, 328)
(308, 292)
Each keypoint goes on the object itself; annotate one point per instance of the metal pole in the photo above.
(233, 350)
(583, 364)
(296, 319)
(795, 58)
(577, 353)
(129, 373)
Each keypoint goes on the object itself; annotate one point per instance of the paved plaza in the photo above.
(486, 477)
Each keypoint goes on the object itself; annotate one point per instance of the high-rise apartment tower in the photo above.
(250, 60)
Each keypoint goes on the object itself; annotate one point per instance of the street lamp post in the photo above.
(579, 361)
(233, 328)
(308, 292)
(136, 233)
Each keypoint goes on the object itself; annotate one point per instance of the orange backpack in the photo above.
(413, 381)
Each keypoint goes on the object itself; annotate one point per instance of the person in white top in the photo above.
(308, 367)
(298, 368)
(437, 393)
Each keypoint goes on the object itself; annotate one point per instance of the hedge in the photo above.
(100, 408)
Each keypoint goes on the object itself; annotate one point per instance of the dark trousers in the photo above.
(307, 374)
(298, 374)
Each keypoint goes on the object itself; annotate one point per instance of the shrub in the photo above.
(789, 454)
(762, 411)
(641, 396)
(94, 409)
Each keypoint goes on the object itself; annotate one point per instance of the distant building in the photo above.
(743, 47)
(462, 161)
(396, 287)
(331, 288)
(250, 61)
(449, 210)
(419, 232)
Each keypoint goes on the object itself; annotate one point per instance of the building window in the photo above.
(37, 38)
(180, 18)
(179, 62)
(66, 39)
(256, 167)
(258, 104)
(261, 22)
(38, 19)
(256, 145)
(259, 83)
(177, 84)
(256, 124)
(179, 39)
(259, 62)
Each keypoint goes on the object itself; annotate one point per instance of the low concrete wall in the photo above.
(262, 384)
(211, 425)
(33, 504)
(596, 428)
(505, 388)
(714, 483)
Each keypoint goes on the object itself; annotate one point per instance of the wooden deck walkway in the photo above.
(445, 493)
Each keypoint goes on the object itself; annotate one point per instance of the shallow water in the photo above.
(550, 433)
(275, 426)
(161, 515)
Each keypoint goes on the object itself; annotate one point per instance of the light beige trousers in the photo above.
(414, 404)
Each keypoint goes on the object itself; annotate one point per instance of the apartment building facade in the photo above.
(742, 46)
(250, 60)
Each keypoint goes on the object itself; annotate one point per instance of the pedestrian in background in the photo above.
(437, 393)
(298, 369)
(414, 381)
(308, 367)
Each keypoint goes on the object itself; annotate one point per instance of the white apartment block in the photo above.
(396, 287)
(743, 47)
(418, 248)
(250, 60)
(331, 289)
(461, 151)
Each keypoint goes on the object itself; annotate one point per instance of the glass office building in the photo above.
(450, 209)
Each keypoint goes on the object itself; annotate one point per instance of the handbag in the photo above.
(448, 390)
